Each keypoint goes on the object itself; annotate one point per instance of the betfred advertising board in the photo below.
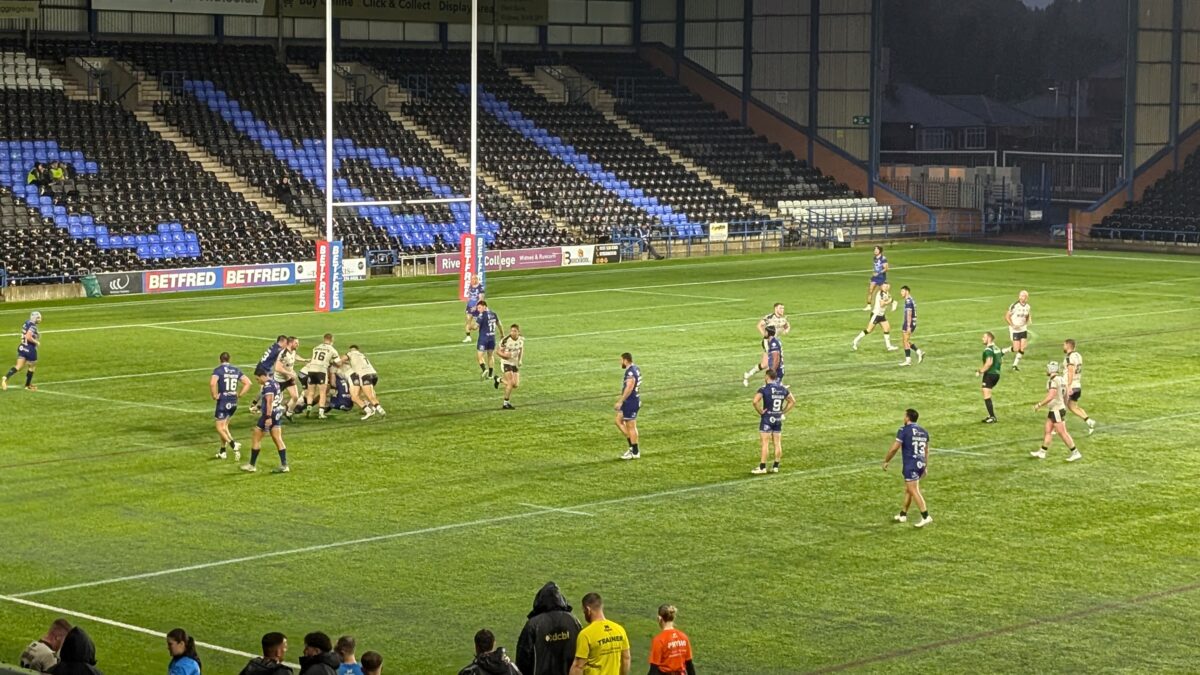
(249, 276)
(170, 281)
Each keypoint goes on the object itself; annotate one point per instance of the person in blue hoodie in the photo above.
(184, 660)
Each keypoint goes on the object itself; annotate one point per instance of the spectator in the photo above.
(372, 663)
(318, 658)
(274, 647)
(671, 650)
(57, 173)
(37, 175)
(603, 646)
(184, 660)
(77, 656)
(547, 643)
(41, 655)
(489, 659)
(283, 192)
(345, 651)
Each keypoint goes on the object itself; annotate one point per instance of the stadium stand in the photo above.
(1169, 210)
(127, 199)
(569, 158)
(693, 127)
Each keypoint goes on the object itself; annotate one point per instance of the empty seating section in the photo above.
(567, 158)
(18, 71)
(1168, 211)
(691, 126)
(844, 211)
(129, 196)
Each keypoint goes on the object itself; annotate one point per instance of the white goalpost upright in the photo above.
(331, 204)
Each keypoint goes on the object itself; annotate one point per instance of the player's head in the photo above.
(328, 338)
(514, 330)
(1052, 368)
(911, 415)
(666, 614)
(317, 643)
(475, 279)
(593, 606)
(779, 309)
(293, 342)
(904, 291)
(988, 338)
(35, 317)
(1068, 346)
(274, 645)
(626, 360)
(878, 250)
(1023, 297)
(282, 340)
(353, 348)
(485, 641)
(885, 287)
(771, 331)
(482, 304)
(224, 357)
(263, 377)
(770, 374)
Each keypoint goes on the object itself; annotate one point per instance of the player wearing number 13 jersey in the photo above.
(772, 402)
(912, 441)
(226, 385)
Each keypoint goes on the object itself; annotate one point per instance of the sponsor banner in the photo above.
(336, 287)
(468, 258)
(239, 7)
(248, 276)
(120, 283)
(607, 253)
(306, 271)
(354, 269)
(718, 232)
(578, 255)
(496, 261)
(322, 277)
(18, 9)
(480, 256)
(515, 12)
(169, 281)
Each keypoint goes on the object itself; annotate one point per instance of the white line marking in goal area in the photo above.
(785, 478)
(125, 626)
(521, 296)
(557, 510)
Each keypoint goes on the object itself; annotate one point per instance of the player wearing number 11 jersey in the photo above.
(227, 385)
(913, 443)
(772, 402)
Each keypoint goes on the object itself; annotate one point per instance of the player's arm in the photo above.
(626, 662)
(1008, 317)
(1070, 374)
(787, 326)
(762, 327)
(245, 386)
(773, 359)
(29, 337)
(625, 393)
(886, 266)
(212, 386)
(279, 367)
(268, 407)
(908, 318)
(758, 406)
(986, 364)
(789, 403)
(1045, 401)
(891, 453)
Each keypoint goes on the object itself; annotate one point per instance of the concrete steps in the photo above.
(72, 89)
(521, 75)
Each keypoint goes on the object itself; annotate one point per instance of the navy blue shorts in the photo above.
(226, 407)
(771, 423)
(629, 409)
(275, 417)
(914, 472)
(909, 328)
(27, 352)
(487, 345)
(879, 279)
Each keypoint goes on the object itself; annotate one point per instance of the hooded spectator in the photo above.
(489, 659)
(184, 660)
(41, 655)
(319, 657)
(274, 647)
(547, 643)
(77, 656)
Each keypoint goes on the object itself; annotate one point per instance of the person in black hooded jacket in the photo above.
(77, 656)
(319, 657)
(547, 643)
(489, 659)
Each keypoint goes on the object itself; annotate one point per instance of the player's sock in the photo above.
(762, 466)
(490, 374)
(254, 456)
(629, 442)
(28, 377)
(1044, 448)
(887, 340)
(634, 447)
(861, 335)
(10, 373)
(907, 354)
(903, 513)
(482, 367)
(914, 348)
(775, 464)
(1017, 360)
(283, 457)
(991, 410)
(924, 514)
(753, 371)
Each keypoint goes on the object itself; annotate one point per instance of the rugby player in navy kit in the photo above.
(485, 346)
(628, 405)
(772, 402)
(27, 355)
(227, 385)
(913, 443)
(268, 423)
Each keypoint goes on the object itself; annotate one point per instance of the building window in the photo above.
(933, 139)
(975, 138)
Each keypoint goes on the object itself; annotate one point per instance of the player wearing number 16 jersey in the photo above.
(772, 402)
(913, 443)
(227, 385)
(324, 357)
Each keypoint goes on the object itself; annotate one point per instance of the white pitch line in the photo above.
(258, 338)
(134, 404)
(524, 296)
(557, 510)
(126, 626)
(685, 295)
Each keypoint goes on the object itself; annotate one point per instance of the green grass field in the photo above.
(413, 531)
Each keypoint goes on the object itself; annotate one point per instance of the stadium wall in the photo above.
(41, 293)
(786, 132)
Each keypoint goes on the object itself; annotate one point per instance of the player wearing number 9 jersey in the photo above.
(324, 357)
(912, 441)
(226, 385)
(771, 402)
